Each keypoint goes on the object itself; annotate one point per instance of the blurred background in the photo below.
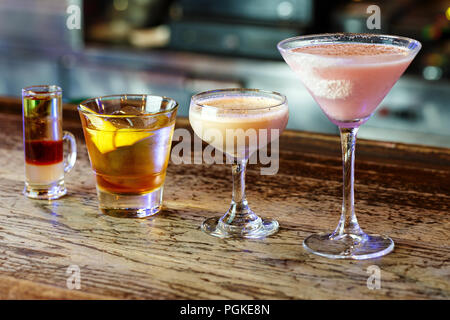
(180, 47)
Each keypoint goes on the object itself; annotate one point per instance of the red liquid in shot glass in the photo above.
(43, 152)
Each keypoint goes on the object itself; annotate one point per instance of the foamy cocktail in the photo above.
(349, 80)
(238, 122)
(238, 125)
(348, 75)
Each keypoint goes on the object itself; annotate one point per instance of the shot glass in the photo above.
(43, 138)
(128, 138)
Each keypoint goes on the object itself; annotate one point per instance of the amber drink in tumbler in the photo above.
(129, 138)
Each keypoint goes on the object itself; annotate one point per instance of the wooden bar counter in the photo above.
(401, 190)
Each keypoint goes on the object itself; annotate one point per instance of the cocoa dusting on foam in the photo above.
(349, 49)
(238, 108)
(243, 106)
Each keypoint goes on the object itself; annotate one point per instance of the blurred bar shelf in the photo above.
(415, 111)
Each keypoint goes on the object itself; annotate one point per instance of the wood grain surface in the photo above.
(401, 190)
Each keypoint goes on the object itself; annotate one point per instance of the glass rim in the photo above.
(86, 110)
(236, 90)
(48, 89)
(411, 51)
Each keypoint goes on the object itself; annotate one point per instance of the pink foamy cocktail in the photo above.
(348, 80)
(348, 74)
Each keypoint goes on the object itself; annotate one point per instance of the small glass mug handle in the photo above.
(72, 156)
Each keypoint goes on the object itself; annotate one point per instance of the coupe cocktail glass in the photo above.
(348, 75)
(43, 138)
(238, 122)
(129, 138)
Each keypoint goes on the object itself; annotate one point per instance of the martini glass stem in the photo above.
(239, 213)
(348, 224)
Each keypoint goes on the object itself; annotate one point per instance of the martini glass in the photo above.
(348, 75)
(238, 122)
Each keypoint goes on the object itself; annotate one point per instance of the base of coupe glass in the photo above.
(130, 205)
(257, 230)
(348, 246)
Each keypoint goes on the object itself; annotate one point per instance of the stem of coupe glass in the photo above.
(239, 214)
(348, 224)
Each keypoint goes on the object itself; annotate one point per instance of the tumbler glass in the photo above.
(129, 138)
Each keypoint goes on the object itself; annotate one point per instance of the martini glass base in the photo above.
(263, 228)
(348, 246)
